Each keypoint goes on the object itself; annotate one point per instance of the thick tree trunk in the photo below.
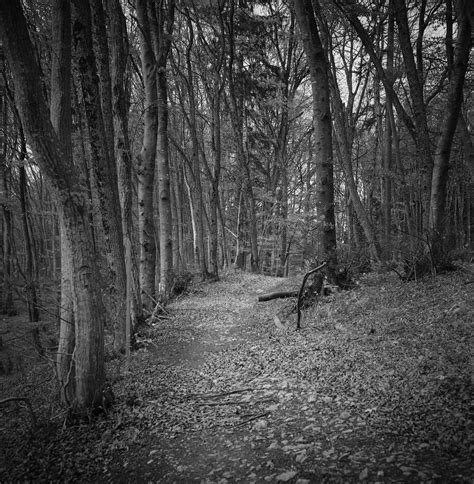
(72, 197)
(322, 123)
(103, 165)
(60, 113)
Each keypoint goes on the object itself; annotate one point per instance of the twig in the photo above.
(255, 417)
(28, 403)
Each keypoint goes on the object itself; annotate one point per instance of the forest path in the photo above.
(214, 316)
(376, 387)
(209, 438)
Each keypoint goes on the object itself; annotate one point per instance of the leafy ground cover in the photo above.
(374, 388)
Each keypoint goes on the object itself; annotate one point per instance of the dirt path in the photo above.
(374, 388)
(213, 317)
(234, 399)
(217, 446)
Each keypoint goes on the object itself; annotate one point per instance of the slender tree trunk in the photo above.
(119, 50)
(415, 83)
(324, 189)
(6, 296)
(146, 161)
(30, 273)
(161, 30)
(195, 166)
(238, 126)
(445, 140)
(215, 179)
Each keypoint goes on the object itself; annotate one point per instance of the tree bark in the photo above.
(119, 50)
(415, 83)
(161, 25)
(146, 161)
(322, 123)
(60, 114)
(72, 197)
(7, 305)
(104, 169)
(445, 140)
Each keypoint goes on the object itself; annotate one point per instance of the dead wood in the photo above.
(277, 295)
(319, 283)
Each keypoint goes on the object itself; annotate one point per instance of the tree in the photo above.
(72, 199)
(322, 124)
(60, 114)
(97, 101)
(161, 23)
(145, 167)
(459, 63)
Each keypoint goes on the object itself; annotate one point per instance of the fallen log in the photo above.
(277, 295)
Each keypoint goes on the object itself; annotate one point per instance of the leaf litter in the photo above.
(374, 388)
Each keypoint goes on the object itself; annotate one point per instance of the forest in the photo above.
(153, 149)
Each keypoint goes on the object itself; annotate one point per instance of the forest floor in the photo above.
(375, 387)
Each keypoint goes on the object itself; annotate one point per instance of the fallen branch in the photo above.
(277, 295)
(301, 292)
(255, 417)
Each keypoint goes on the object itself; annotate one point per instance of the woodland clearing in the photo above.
(375, 387)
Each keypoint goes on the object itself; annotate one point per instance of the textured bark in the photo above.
(146, 161)
(72, 197)
(453, 110)
(415, 83)
(235, 67)
(102, 56)
(60, 114)
(324, 189)
(161, 25)
(6, 296)
(195, 178)
(119, 50)
(104, 169)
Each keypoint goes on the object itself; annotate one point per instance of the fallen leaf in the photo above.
(364, 474)
(286, 476)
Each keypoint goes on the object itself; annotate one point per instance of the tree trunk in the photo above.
(72, 197)
(445, 140)
(419, 109)
(161, 30)
(119, 50)
(103, 165)
(238, 127)
(324, 190)
(6, 296)
(146, 161)
(60, 114)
